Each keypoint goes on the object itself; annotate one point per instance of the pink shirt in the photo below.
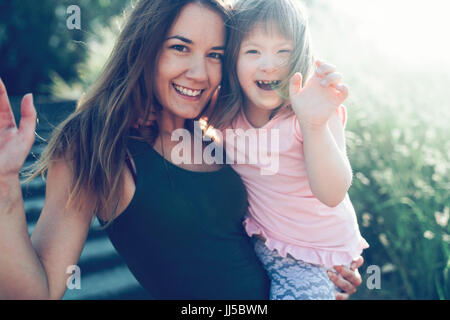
(282, 207)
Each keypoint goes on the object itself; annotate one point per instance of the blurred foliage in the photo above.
(400, 155)
(36, 45)
(398, 142)
(98, 49)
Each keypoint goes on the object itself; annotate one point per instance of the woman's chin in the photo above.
(189, 114)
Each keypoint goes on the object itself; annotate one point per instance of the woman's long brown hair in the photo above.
(93, 139)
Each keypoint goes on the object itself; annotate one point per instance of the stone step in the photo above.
(32, 189)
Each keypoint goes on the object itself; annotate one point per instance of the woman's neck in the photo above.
(168, 122)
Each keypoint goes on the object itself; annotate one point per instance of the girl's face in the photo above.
(189, 66)
(262, 62)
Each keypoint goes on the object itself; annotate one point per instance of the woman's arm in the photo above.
(34, 268)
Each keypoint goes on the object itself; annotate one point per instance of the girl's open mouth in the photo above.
(268, 85)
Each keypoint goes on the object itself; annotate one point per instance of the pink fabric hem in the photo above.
(326, 258)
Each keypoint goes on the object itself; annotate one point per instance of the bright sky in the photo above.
(411, 30)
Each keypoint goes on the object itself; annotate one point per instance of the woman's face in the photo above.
(189, 67)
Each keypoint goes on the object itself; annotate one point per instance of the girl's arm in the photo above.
(316, 106)
(327, 165)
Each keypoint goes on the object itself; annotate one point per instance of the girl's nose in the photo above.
(197, 69)
(269, 63)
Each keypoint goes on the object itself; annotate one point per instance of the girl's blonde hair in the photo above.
(93, 139)
(289, 18)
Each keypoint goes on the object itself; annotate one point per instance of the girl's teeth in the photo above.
(267, 82)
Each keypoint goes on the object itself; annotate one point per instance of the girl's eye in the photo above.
(216, 55)
(284, 51)
(179, 47)
(252, 51)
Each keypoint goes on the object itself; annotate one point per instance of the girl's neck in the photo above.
(257, 117)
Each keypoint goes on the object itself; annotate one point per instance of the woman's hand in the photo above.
(15, 143)
(319, 98)
(348, 280)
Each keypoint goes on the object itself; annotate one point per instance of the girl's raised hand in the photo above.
(15, 143)
(320, 97)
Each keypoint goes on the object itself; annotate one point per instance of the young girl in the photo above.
(299, 212)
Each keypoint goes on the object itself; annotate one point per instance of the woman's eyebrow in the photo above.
(180, 38)
(191, 42)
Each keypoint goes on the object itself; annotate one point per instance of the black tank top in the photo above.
(182, 235)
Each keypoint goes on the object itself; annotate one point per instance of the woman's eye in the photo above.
(216, 55)
(179, 47)
(284, 51)
(252, 51)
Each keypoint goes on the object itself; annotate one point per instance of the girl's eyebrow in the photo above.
(247, 43)
(186, 40)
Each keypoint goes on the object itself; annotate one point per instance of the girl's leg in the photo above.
(294, 279)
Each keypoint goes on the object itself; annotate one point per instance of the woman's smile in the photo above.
(188, 93)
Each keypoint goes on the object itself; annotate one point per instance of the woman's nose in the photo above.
(197, 70)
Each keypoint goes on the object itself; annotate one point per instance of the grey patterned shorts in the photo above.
(292, 279)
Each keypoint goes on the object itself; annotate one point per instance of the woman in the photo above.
(175, 226)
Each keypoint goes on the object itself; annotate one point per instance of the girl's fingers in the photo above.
(325, 68)
(331, 79)
(6, 114)
(343, 94)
